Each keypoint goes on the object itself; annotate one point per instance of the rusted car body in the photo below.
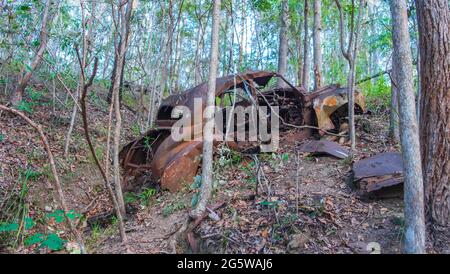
(175, 163)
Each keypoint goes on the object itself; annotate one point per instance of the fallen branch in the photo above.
(51, 159)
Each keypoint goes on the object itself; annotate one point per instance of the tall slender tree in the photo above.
(208, 130)
(306, 45)
(27, 71)
(413, 185)
(283, 43)
(124, 14)
(317, 41)
(351, 55)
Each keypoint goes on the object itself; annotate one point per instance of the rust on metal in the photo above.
(333, 99)
(174, 163)
(325, 147)
(380, 172)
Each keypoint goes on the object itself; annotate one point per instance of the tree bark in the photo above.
(351, 54)
(393, 116)
(318, 78)
(306, 45)
(208, 130)
(434, 38)
(413, 185)
(125, 15)
(283, 43)
(85, 39)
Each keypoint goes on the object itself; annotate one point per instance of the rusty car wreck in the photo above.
(174, 164)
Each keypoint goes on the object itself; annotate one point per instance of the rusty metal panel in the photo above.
(379, 165)
(380, 175)
(325, 147)
(328, 100)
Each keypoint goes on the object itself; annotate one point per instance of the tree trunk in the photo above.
(85, 39)
(434, 33)
(208, 130)
(413, 185)
(306, 45)
(393, 117)
(24, 77)
(318, 79)
(351, 54)
(283, 43)
(120, 52)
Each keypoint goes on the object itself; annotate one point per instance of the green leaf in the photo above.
(34, 239)
(29, 223)
(195, 198)
(197, 182)
(2, 137)
(58, 215)
(73, 215)
(53, 242)
(285, 157)
(8, 227)
(25, 106)
(267, 203)
(24, 8)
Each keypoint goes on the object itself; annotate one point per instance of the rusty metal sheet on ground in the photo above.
(326, 147)
(379, 165)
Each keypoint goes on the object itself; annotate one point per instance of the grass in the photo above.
(99, 234)
(172, 208)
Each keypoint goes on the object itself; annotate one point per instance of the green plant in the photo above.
(195, 186)
(51, 241)
(172, 208)
(249, 170)
(136, 129)
(148, 141)
(143, 197)
(146, 194)
(25, 106)
(228, 157)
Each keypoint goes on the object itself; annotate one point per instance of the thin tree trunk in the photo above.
(24, 77)
(207, 160)
(306, 45)
(91, 146)
(351, 55)
(318, 79)
(85, 38)
(125, 18)
(413, 185)
(283, 43)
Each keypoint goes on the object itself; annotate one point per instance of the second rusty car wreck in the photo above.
(174, 163)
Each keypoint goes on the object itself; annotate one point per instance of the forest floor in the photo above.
(304, 205)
